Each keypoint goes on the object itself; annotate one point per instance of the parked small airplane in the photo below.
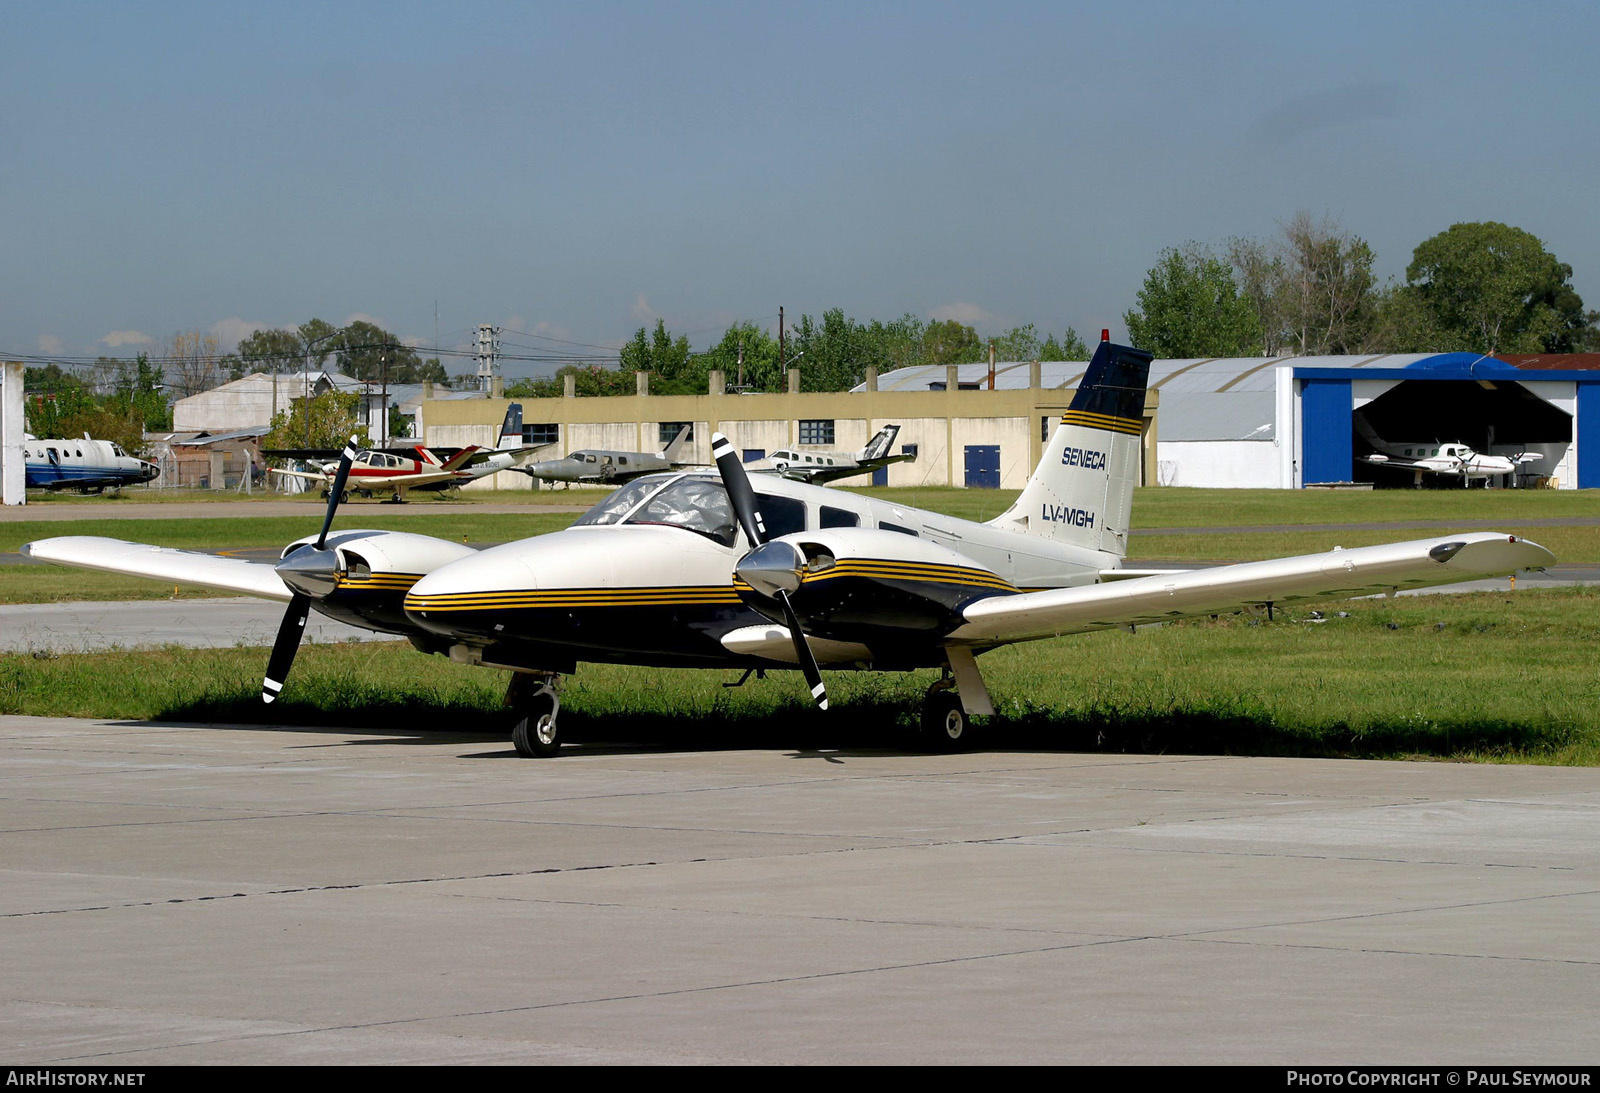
(87, 465)
(600, 465)
(1454, 458)
(719, 571)
(376, 470)
(827, 466)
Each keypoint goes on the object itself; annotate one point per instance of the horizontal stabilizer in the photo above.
(164, 564)
(1335, 574)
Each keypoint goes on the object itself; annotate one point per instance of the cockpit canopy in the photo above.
(692, 502)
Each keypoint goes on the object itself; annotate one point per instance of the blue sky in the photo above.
(578, 170)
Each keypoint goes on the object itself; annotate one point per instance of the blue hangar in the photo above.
(1289, 422)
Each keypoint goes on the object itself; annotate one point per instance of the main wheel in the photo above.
(945, 725)
(535, 734)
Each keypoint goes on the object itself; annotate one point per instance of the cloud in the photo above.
(1307, 113)
(118, 338)
(363, 317)
(231, 331)
(641, 308)
(49, 343)
(963, 313)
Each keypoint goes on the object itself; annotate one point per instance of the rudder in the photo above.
(1082, 490)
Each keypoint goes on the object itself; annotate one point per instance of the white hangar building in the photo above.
(1287, 422)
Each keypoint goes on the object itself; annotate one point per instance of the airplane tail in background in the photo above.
(1368, 433)
(511, 428)
(879, 446)
(670, 452)
(1082, 490)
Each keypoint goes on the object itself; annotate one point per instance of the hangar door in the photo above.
(1500, 418)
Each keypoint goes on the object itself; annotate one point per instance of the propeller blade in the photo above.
(285, 646)
(740, 495)
(340, 477)
(808, 663)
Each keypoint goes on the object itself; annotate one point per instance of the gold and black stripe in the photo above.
(516, 600)
(1130, 426)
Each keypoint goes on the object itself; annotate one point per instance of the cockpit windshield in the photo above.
(620, 503)
(699, 504)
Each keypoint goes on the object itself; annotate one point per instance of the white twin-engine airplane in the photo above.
(814, 466)
(1454, 458)
(706, 570)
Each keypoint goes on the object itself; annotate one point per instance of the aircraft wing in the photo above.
(312, 476)
(1359, 571)
(161, 563)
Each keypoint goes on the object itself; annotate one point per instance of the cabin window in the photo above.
(884, 525)
(816, 431)
(667, 432)
(544, 432)
(782, 515)
(839, 518)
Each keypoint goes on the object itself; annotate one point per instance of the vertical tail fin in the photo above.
(511, 429)
(879, 446)
(1082, 490)
(670, 452)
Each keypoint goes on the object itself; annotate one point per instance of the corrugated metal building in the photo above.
(1285, 422)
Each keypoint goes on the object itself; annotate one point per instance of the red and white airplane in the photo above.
(730, 571)
(373, 471)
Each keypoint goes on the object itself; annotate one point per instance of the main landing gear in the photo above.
(951, 702)
(535, 704)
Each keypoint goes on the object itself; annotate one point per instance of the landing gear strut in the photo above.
(959, 694)
(533, 727)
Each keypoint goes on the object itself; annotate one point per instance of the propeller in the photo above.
(310, 572)
(772, 568)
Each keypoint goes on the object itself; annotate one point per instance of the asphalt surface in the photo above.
(179, 894)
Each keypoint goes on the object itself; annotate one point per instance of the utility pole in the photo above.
(383, 401)
(488, 351)
(781, 370)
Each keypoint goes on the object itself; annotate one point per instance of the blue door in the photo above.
(983, 466)
(752, 454)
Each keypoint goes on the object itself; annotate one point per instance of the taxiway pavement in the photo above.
(187, 894)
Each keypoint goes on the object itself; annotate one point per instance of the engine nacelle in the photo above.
(374, 571)
(866, 585)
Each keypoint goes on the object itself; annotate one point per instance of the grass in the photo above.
(1484, 677)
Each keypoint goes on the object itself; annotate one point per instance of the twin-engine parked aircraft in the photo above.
(601, 465)
(822, 467)
(89, 466)
(717, 571)
(374, 470)
(1455, 459)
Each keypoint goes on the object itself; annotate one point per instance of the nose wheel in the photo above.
(534, 730)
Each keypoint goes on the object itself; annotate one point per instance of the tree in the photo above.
(1491, 288)
(1071, 347)
(758, 349)
(327, 420)
(949, 342)
(368, 352)
(1190, 307)
(1312, 290)
(193, 363)
(272, 351)
(1020, 343)
(138, 396)
(666, 358)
